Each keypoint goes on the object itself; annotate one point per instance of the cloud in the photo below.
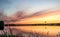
(51, 16)
(15, 17)
(20, 17)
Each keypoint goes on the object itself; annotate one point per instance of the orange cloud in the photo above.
(51, 16)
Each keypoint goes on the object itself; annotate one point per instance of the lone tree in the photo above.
(45, 24)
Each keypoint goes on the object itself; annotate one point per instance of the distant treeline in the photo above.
(51, 24)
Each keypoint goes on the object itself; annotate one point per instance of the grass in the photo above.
(8, 35)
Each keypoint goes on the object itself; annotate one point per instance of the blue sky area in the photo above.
(30, 6)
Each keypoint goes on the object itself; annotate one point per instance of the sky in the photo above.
(27, 7)
(30, 6)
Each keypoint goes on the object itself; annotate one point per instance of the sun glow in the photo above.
(38, 20)
(52, 19)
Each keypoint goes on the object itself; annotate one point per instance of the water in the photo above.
(51, 29)
(42, 30)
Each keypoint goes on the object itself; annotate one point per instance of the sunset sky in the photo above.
(31, 11)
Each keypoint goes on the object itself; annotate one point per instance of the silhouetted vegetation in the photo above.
(8, 35)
